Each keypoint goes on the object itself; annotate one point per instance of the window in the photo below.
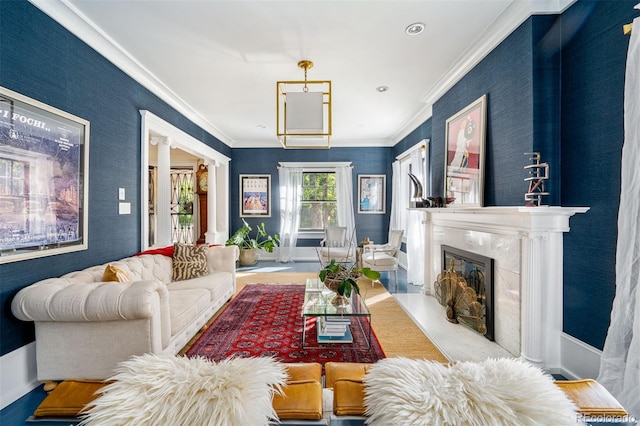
(319, 206)
(182, 181)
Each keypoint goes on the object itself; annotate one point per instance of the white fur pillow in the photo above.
(170, 390)
(494, 392)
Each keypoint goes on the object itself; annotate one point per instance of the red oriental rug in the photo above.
(266, 320)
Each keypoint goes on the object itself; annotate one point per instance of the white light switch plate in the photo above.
(121, 193)
(124, 208)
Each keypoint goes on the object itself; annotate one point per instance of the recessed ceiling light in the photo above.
(382, 89)
(414, 29)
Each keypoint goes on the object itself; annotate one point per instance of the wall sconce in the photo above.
(303, 112)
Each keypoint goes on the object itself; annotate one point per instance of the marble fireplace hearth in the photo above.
(526, 245)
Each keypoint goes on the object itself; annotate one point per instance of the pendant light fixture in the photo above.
(303, 112)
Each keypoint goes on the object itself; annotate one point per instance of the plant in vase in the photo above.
(344, 279)
(249, 244)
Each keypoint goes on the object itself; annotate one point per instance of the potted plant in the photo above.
(249, 244)
(344, 279)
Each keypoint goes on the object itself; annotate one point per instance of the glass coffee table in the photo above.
(335, 325)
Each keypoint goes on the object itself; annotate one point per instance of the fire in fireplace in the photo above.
(465, 289)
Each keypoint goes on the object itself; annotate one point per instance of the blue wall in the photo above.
(592, 82)
(42, 60)
(554, 85)
(264, 161)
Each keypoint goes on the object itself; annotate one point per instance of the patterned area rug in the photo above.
(266, 320)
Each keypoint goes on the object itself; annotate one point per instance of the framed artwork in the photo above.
(464, 156)
(371, 194)
(44, 163)
(255, 195)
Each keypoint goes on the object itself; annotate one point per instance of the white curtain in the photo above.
(290, 197)
(620, 362)
(415, 229)
(344, 195)
(397, 204)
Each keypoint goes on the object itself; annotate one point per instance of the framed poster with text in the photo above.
(255, 195)
(44, 160)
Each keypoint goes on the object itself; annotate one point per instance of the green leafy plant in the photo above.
(344, 279)
(260, 240)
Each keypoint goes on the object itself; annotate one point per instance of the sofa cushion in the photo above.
(301, 397)
(216, 283)
(592, 398)
(379, 259)
(346, 379)
(69, 398)
(185, 305)
(114, 274)
(189, 261)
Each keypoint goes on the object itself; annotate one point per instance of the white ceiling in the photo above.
(217, 61)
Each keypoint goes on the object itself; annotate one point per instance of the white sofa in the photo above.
(85, 326)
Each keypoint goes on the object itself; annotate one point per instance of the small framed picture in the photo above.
(255, 195)
(371, 194)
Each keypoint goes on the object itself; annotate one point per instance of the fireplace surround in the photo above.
(526, 244)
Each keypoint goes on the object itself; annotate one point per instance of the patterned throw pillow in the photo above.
(115, 274)
(189, 261)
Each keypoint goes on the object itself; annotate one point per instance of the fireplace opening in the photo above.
(465, 289)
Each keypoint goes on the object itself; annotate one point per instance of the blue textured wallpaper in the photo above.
(264, 161)
(42, 60)
(593, 59)
(507, 80)
(555, 85)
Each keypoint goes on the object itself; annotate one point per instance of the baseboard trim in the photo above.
(18, 372)
(579, 360)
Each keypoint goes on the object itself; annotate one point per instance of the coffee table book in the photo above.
(345, 338)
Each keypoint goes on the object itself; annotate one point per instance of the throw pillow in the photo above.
(113, 273)
(496, 392)
(189, 261)
(170, 390)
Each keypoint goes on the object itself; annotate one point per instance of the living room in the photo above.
(562, 96)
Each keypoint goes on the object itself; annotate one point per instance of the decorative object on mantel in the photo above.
(416, 198)
(538, 173)
(418, 201)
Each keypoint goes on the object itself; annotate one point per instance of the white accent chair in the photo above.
(384, 257)
(336, 245)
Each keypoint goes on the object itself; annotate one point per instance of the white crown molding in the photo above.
(82, 27)
(73, 20)
(508, 21)
(354, 143)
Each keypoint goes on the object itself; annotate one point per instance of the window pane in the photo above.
(319, 207)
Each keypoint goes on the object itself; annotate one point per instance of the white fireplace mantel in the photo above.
(526, 244)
